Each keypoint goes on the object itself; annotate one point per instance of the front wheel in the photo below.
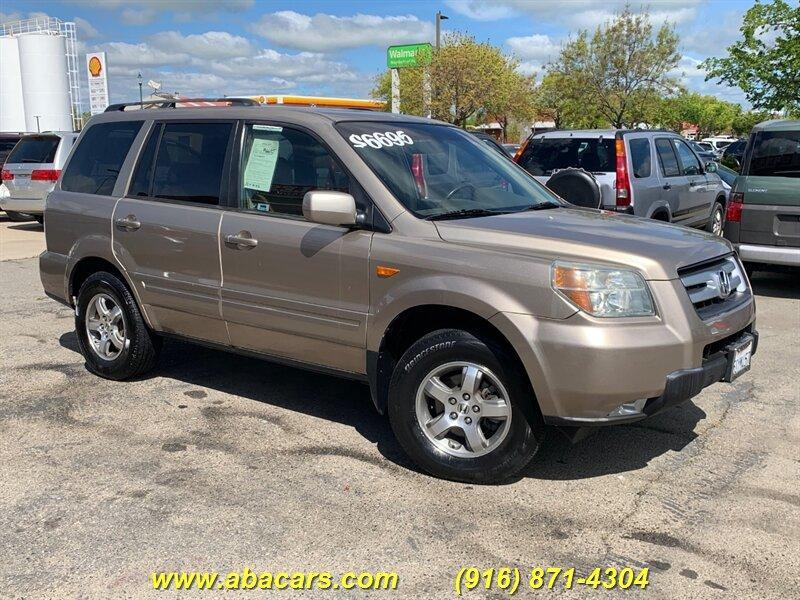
(112, 334)
(716, 223)
(462, 409)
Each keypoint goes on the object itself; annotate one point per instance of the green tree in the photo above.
(744, 122)
(623, 68)
(557, 98)
(513, 97)
(765, 62)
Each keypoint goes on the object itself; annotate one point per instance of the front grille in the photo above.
(715, 286)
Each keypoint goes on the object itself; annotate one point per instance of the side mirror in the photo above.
(711, 167)
(327, 207)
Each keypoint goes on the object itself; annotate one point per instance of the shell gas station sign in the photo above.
(97, 74)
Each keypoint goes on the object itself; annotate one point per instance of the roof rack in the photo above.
(173, 102)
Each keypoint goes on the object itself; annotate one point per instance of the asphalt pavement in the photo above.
(220, 462)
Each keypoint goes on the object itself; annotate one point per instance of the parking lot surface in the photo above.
(20, 239)
(220, 462)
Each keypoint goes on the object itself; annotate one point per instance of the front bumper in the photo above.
(584, 369)
(680, 386)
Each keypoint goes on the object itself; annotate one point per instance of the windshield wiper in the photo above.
(542, 206)
(465, 213)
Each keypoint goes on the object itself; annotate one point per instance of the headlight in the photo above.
(603, 291)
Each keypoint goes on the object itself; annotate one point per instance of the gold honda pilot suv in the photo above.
(403, 252)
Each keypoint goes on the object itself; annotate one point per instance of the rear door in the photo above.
(165, 230)
(645, 184)
(674, 184)
(771, 212)
(697, 198)
(293, 288)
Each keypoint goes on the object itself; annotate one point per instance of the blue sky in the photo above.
(233, 47)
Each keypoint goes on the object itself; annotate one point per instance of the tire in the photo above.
(139, 350)
(716, 223)
(511, 441)
(750, 269)
(39, 219)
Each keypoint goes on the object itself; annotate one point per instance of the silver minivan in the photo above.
(31, 171)
(646, 173)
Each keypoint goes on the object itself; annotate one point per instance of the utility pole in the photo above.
(38, 129)
(439, 18)
(139, 77)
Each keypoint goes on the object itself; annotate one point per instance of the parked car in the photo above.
(706, 147)
(732, 155)
(728, 177)
(395, 250)
(511, 148)
(763, 219)
(719, 142)
(7, 143)
(491, 142)
(31, 170)
(703, 152)
(646, 173)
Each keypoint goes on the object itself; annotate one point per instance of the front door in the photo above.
(166, 228)
(674, 184)
(292, 288)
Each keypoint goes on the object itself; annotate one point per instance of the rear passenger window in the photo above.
(691, 166)
(279, 165)
(143, 175)
(640, 157)
(667, 158)
(190, 160)
(96, 162)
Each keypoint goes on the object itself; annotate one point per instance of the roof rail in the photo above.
(173, 102)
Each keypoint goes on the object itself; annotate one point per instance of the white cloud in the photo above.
(85, 30)
(144, 16)
(305, 66)
(536, 47)
(208, 45)
(480, 10)
(123, 54)
(325, 33)
(9, 17)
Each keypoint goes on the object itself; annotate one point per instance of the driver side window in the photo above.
(689, 162)
(279, 165)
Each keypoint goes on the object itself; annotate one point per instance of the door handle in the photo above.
(130, 223)
(241, 240)
(667, 186)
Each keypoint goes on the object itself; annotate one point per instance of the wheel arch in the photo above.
(414, 322)
(88, 265)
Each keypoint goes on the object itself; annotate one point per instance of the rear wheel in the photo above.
(462, 409)
(716, 223)
(112, 334)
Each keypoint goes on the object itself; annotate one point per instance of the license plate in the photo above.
(739, 359)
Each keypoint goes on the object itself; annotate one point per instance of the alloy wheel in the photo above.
(463, 409)
(105, 327)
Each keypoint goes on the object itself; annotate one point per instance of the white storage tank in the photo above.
(12, 109)
(45, 81)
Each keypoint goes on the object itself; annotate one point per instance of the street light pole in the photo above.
(439, 18)
(38, 129)
(139, 77)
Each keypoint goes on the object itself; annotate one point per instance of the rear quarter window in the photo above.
(640, 158)
(35, 149)
(775, 154)
(96, 162)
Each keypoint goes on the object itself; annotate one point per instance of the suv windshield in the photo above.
(544, 156)
(34, 149)
(775, 154)
(436, 170)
